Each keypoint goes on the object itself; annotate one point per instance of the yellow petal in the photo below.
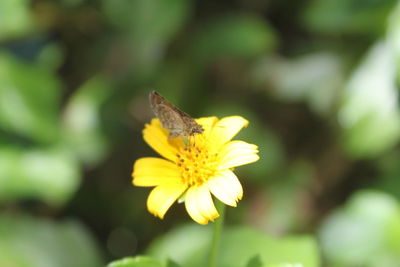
(205, 203)
(162, 197)
(226, 187)
(224, 130)
(155, 171)
(157, 138)
(207, 123)
(237, 153)
(192, 208)
(199, 205)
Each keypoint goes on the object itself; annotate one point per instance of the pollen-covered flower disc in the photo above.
(194, 172)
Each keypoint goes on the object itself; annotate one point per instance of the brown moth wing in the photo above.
(191, 126)
(173, 119)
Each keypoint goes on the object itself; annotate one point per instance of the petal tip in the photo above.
(214, 217)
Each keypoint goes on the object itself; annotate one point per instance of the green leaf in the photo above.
(314, 78)
(139, 261)
(171, 263)
(147, 19)
(285, 265)
(82, 127)
(300, 249)
(348, 16)
(393, 35)
(241, 36)
(29, 100)
(51, 57)
(29, 242)
(255, 262)
(181, 244)
(15, 18)
(51, 175)
(365, 232)
(369, 114)
(189, 246)
(389, 172)
(284, 193)
(148, 26)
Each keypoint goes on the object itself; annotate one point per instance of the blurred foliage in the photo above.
(348, 16)
(370, 116)
(15, 19)
(314, 78)
(139, 261)
(30, 98)
(232, 36)
(318, 81)
(393, 36)
(175, 246)
(30, 242)
(82, 122)
(51, 175)
(370, 222)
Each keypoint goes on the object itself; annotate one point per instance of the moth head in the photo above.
(196, 129)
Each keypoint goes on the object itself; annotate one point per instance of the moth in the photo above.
(177, 122)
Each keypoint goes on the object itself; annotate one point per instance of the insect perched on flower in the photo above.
(192, 172)
(172, 118)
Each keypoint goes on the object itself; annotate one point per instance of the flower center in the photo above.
(197, 165)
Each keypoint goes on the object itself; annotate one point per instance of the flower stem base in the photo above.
(215, 242)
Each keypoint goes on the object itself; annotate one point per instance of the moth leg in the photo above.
(186, 140)
(194, 140)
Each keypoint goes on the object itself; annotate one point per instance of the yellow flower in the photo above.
(191, 172)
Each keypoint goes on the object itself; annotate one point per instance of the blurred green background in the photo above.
(317, 79)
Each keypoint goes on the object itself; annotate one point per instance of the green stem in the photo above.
(212, 261)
